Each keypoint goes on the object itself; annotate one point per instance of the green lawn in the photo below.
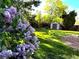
(51, 47)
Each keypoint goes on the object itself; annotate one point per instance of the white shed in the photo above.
(55, 26)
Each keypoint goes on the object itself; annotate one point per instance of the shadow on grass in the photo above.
(51, 46)
(50, 49)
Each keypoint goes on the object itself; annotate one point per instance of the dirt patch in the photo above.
(71, 40)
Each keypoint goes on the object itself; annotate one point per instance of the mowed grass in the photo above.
(51, 46)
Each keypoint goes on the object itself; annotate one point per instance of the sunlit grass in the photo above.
(51, 46)
(55, 40)
(48, 45)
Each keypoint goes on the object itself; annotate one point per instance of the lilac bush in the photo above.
(17, 38)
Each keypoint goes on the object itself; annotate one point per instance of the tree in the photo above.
(69, 19)
(58, 20)
(38, 18)
(55, 8)
(46, 18)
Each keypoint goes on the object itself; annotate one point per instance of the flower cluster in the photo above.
(9, 14)
(21, 40)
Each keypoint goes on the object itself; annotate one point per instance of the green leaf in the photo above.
(7, 2)
(15, 21)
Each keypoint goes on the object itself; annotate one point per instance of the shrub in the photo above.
(17, 38)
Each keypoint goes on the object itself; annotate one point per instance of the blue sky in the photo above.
(74, 4)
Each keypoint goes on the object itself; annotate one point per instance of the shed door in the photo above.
(54, 26)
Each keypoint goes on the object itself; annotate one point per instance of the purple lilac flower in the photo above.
(12, 10)
(22, 26)
(35, 38)
(19, 48)
(32, 50)
(6, 53)
(36, 44)
(22, 47)
(7, 16)
(32, 46)
(28, 38)
(15, 54)
(20, 51)
(19, 25)
(25, 46)
(31, 29)
(28, 33)
(36, 41)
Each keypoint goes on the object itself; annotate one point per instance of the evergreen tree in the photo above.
(69, 19)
